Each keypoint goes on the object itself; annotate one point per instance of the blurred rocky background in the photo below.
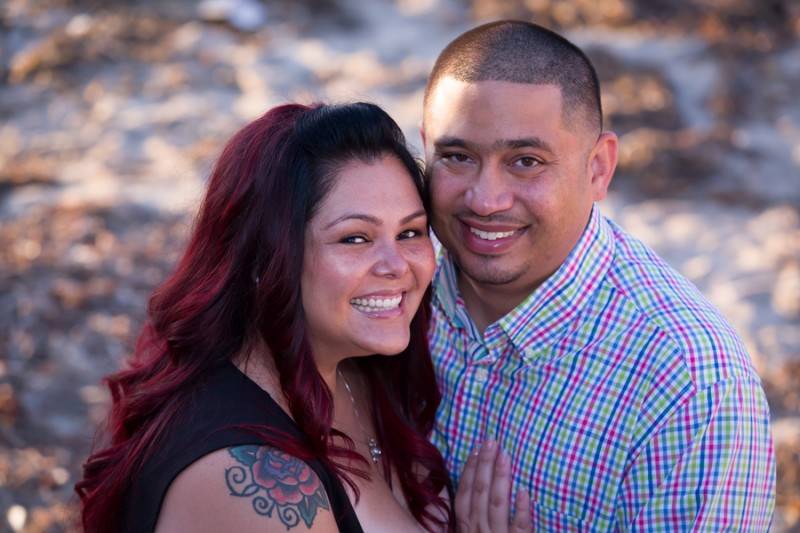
(111, 113)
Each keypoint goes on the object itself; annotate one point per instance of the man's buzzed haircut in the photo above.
(523, 52)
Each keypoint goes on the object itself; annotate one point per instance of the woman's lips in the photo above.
(379, 306)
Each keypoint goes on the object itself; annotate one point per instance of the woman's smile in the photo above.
(379, 305)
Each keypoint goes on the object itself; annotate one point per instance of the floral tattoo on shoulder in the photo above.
(278, 483)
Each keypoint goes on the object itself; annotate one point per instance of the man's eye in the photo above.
(526, 162)
(354, 239)
(455, 157)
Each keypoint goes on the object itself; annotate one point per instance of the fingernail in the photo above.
(490, 444)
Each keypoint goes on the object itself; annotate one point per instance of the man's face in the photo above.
(512, 185)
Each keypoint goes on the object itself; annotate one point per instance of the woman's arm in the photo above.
(247, 489)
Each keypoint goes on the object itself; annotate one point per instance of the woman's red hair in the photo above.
(239, 280)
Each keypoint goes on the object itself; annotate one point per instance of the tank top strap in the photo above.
(214, 417)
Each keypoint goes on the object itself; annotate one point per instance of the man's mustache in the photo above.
(500, 218)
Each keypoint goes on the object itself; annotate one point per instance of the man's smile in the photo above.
(489, 239)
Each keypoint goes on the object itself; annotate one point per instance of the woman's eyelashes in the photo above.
(354, 239)
(410, 233)
(414, 233)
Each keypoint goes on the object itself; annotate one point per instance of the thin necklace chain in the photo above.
(375, 451)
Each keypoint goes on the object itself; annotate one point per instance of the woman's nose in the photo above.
(391, 262)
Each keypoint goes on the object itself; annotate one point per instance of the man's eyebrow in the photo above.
(375, 221)
(524, 142)
(450, 142)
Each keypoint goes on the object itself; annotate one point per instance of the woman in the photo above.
(255, 395)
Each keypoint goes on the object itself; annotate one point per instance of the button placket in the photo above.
(477, 353)
(479, 358)
(529, 355)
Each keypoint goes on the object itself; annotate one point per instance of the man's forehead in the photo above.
(491, 104)
(449, 87)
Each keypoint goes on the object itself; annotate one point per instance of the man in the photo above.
(622, 397)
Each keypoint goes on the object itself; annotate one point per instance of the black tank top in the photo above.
(207, 422)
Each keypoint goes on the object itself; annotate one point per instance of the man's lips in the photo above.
(489, 239)
(491, 227)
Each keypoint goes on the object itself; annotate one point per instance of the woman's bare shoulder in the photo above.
(247, 488)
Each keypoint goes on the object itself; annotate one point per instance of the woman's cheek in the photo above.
(423, 263)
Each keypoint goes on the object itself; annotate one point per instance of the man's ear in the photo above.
(602, 163)
(422, 135)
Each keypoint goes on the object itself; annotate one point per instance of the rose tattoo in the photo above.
(277, 482)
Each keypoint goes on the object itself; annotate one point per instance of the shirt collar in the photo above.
(543, 314)
(445, 284)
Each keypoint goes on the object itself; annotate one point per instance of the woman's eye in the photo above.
(354, 239)
(410, 234)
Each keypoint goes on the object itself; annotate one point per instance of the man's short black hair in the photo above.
(523, 52)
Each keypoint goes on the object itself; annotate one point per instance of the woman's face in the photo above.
(367, 262)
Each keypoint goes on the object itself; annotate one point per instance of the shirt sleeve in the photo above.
(709, 467)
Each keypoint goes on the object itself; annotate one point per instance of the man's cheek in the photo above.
(444, 192)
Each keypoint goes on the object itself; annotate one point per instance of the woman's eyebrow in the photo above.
(412, 216)
(375, 221)
(355, 216)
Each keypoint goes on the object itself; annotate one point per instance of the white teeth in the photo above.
(376, 304)
(491, 235)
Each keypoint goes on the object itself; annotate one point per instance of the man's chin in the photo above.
(488, 274)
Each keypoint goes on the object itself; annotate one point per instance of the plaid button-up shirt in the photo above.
(624, 399)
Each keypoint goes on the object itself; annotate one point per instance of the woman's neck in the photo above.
(256, 363)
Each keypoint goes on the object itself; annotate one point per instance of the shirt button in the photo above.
(481, 375)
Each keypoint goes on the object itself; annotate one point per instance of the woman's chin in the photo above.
(387, 347)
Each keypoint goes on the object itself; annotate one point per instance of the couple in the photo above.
(296, 371)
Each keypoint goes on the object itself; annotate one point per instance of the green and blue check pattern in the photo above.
(625, 400)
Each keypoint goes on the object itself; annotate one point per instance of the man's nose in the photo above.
(391, 263)
(490, 193)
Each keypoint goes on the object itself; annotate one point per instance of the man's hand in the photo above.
(484, 493)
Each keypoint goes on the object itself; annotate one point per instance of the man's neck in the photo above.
(487, 304)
